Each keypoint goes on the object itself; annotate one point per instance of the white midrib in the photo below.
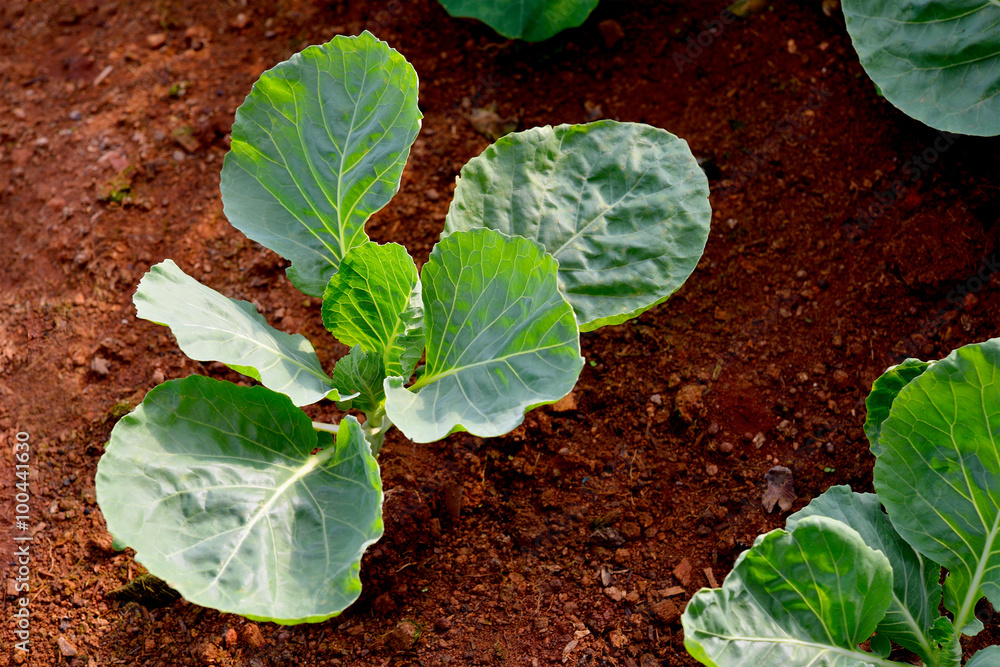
(971, 596)
(849, 653)
(310, 465)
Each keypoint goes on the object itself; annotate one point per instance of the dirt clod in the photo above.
(682, 572)
(252, 635)
(403, 636)
(666, 611)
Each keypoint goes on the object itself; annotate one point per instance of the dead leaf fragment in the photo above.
(489, 124)
(779, 490)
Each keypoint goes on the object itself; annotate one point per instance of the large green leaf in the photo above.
(802, 598)
(374, 301)
(938, 473)
(988, 657)
(215, 487)
(501, 339)
(912, 619)
(212, 327)
(530, 20)
(937, 60)
(317, 147)
(623, 208)
(884, 392)
(360, 373)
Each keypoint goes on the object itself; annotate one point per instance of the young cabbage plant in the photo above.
(530, 20)
(232, 494)
(938, 62)
(845, 571)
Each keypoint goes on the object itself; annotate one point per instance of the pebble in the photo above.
(100, 365)
(158, 376)
(179, 156)
(75, 115)
(66, 648)
(611, 31)
(712, 470)
(433, 194)
(156, 40)
(240, 22)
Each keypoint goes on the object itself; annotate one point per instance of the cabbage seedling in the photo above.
(232, 494)
(844, 571)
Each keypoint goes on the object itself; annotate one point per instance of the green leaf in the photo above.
(939, 62)
(623, 208)
(215, 487)
(501, 339)
(884, 392)
(317, 147)
(938, 473)
(916, 595)
(807, 597)
(988, 657)
(530, 20)
(212, 327)
(374, 301)
(361, 373)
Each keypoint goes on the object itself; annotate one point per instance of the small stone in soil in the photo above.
(66, 648)
(156, 40)
(100, 366)
(683, 572)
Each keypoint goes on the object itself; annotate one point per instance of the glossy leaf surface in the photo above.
(211, 327)
(938, 61)
(622, 207)
(912, 619)
(802, 598)
(530, 20)
(937, 472)
(216, 488)
(501, 339)
(317, 147)
(374, 301)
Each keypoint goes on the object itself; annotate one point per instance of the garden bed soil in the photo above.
(578, 538)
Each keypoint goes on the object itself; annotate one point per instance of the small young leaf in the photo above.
(530, 20)
(912, 615)
(501, 339)
(317, 147)
(807, 597)
(360, 373)
(938, 473)
(216, 488)
(374, 301)
(212, 327)
(623, 208)
(939, 62)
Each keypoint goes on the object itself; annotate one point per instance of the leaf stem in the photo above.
(329, 428)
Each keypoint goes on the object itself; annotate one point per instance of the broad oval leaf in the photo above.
(988, 657)
(317, 147)
(802, 598)
(374, 301)
(884, 391)
(938, 62)
(623, 208)
(916, 592)
(938, 473)
(501, 339)
(215, 487)
(530, 20)
(211, 327)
